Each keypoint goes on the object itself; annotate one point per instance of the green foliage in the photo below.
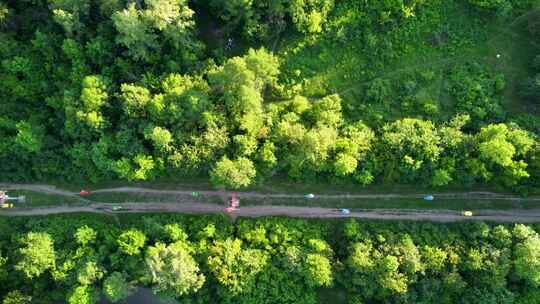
(233, 174)
(476, 92)
(83, 295)
(500, 145)
(16, 297)
(316, 90)
(318, 271)
(235, 267)
(143, 31)
(259, 20)
(172, 270)
(37, 254)
(115, 287)
(309, 15)
(131, 242)
(277, 260)
(527, 259)
(4, 12)
(29, 137)
(412, 145)
(85, 236)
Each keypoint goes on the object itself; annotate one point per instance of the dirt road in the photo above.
(192, 207)
(477, 195)
(300, 212)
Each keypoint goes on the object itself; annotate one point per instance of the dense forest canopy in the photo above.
(197, 259)
(237, 91)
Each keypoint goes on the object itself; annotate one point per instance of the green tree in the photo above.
(16, 297)
(318, 270)
(89, 273)
(145, 31)
(434, 258)
(440, 178)
(326, 112)
(345, 164)
(83, 295)
(412, 144)
(309, 15)
(37, 254)
(351, 146)
(234, 267)
(29, 137)
(115, 287)
(84, 115)
(314, 149)
(160, 137)
(527, 260)
(233, 174)
(135, 33)
(71, 14)
(85, 236)
(131, 242)
(172, 271)
(502, 149)
(255, 20)
(4, 12)
(135, 100)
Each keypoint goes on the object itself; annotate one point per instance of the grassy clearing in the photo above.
(282, 185)
(406, 203)
(347, 65)
(35, 199)
(277, 184)
(119, 197)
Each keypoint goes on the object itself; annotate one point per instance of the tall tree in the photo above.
(37, 254)
(172, 271)
(233, 174)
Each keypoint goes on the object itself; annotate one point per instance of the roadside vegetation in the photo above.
(207, 259)
(438, 93)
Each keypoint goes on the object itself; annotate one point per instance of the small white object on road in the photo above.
(310, 195)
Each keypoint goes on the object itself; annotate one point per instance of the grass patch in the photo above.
(36, 199)
(123, 197)
(282, 185)
(347, 62)
(393, 203)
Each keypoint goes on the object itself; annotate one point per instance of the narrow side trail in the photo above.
(476, 195)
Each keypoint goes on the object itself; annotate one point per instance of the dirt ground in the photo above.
(192, 207)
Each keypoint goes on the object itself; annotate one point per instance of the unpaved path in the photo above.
(476, 195)
(447, 195)
(192, 207)
(300, 212)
